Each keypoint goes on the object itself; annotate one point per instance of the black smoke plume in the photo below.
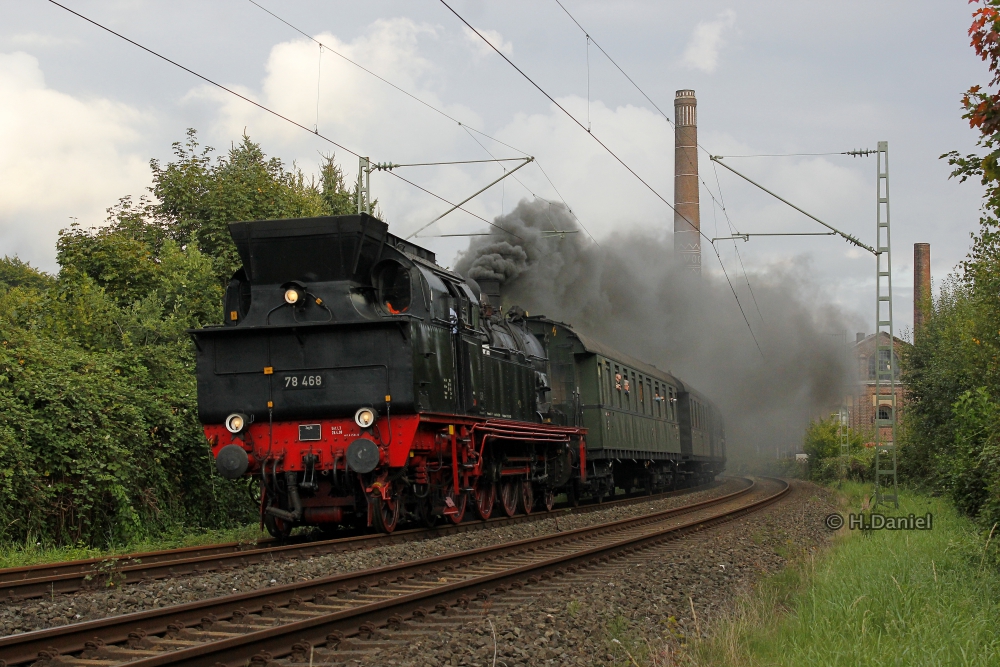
(629, 293)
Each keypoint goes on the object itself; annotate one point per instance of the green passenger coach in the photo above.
(656, 430)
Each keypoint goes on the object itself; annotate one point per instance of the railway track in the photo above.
(68, 577)
(334, 619)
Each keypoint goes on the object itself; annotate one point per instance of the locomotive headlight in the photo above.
(293, 296)
(364, 417)
(236, 423)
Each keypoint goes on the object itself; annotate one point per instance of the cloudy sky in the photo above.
(82, 112)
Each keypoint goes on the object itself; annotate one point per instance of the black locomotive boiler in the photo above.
(362, 383)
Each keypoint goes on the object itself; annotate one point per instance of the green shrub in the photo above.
(100, 444)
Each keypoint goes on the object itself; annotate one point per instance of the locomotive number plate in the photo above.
(305, 381)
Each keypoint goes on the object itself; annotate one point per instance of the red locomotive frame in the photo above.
(440, 451)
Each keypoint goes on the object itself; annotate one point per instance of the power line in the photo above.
(456, 206)
(787, 154)
(612, 154)
(732, 230)
(389, 166)
(258, 105)
(206, 79)
(590, 38)
(468, 128)
(670, 122)
(380, 78)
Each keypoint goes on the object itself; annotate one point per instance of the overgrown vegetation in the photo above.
(950, 432)
(927, 597)
(952, 425)
(826, 460)
(100, 443)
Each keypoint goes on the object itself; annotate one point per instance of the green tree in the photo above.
(197, 198)
(953, 371)
(99, 437)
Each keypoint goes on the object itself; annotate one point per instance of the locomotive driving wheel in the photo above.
(486, 494)
(509, 497)
(386, 512)
(549, 499)
(527, 496)
(460, 502)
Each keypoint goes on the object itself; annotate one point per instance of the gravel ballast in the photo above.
(36, 614)
(656, 600)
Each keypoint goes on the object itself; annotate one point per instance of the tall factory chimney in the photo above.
(687, 216)
(921, 284)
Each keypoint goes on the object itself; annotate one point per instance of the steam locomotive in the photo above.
(360, 383)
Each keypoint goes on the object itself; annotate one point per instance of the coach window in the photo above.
(642, 398)
(649, 392)
(600, 382)
(671, 404)
(626, 390)
(609, 382)
(618, 386)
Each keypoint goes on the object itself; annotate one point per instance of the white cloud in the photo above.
(702, 52)
(493, 37)
(63, 156)
(35, 40)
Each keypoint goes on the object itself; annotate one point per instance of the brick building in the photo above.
(863, 407)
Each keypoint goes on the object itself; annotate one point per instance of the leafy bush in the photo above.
(99, 438)
(826, 460)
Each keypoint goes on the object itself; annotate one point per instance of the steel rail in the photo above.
(68, 577)
(333, 627)
(27, 647)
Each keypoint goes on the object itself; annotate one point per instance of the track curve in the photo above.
(324, 612)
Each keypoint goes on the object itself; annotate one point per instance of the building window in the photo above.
(884, 412)
(884, 365)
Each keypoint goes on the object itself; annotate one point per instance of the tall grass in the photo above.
(884, 598)
(31, 552)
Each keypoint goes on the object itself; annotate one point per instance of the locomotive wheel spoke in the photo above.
(509, 497)
(549, 498)
(387, 513)
(460, 502)
(486, 494)
(527, 496)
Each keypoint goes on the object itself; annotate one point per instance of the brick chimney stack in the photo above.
(921, 284)
(687, 216)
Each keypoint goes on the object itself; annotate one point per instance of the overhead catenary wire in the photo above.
(388, 166)
(732, 230)
(268, 110)
(455, 206)
(206, 79)
(717, 202)
(612, 154)
(465, 126)
(852, 153)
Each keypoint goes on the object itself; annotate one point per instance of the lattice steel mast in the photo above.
(885, 451)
